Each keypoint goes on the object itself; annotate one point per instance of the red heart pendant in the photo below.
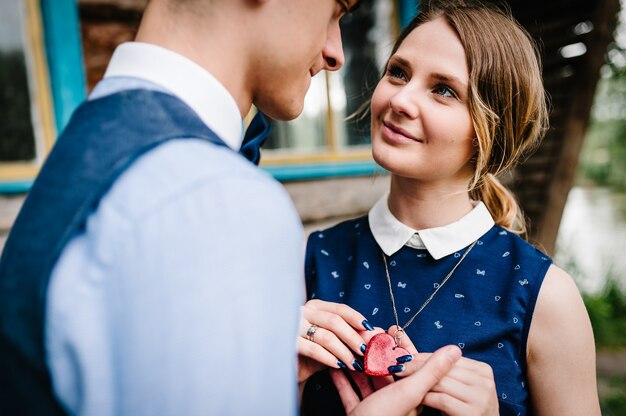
(381, 353)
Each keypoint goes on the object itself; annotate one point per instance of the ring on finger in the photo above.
(310, 333)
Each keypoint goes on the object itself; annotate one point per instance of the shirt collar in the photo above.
(391, 235)
(185, 79)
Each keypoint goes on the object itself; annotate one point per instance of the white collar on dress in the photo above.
(185, 79)
(391, 235)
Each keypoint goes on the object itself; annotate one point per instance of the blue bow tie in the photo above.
(256, 134)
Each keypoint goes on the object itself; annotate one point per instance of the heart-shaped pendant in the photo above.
(381, 353)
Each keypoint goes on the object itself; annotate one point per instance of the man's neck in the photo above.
(211, 46)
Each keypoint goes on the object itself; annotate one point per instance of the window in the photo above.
(328, 139)
(41, 83)
(26, 124)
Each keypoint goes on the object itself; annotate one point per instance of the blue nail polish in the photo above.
(367, 325)
(405, 359)
(341, 364)
(363, 348)
(396, 368)
(357, 366)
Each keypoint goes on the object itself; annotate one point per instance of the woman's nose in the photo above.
(405, 102)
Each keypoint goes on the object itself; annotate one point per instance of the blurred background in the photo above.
(572, 189)
(592, 235)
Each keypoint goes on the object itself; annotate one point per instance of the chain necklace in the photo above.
(400, 330)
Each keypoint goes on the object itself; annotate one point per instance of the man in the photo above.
(153, 269)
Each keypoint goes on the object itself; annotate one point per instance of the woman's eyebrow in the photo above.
(396, 59)
(449, 79)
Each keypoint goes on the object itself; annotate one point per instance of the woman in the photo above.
(441, 258)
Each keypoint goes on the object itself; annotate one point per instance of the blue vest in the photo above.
(485, 308)
(104, 137)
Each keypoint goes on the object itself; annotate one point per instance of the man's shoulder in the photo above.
(190, 191)
(184, 167)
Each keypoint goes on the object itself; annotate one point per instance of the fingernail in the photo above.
(363, 348)
(367, 325)
(357, 366)
(405, 359)
(341, 364)
(396, 368)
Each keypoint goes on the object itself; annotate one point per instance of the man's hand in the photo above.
(402, 397)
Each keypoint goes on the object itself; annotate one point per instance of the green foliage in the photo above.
(603, 159)
(614, 405)
(607, 311)
(604, 156)
(614, 402)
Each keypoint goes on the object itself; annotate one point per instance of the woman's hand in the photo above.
(330, 336)
(403, 397)
(367, 385)
(467, 389)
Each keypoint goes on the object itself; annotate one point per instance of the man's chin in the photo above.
(284, 112)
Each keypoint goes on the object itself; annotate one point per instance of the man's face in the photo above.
(303, 40)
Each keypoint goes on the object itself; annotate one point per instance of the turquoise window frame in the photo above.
(407, 9)
(64, 53)
(286, 173)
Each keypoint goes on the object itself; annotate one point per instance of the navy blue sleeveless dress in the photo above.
(485, 308)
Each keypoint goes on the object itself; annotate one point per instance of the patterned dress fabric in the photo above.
(485, 308)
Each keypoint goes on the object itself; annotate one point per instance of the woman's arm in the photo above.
(561, 351)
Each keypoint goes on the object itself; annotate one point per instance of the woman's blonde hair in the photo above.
(507, 100)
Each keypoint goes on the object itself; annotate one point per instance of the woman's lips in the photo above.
(394, 133)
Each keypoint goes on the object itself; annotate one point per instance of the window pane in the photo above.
(306, 133)
(17, 139)
(367, 38)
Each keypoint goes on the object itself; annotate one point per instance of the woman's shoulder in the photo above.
(511, 243)
(338, 233)
(506, 253)
(340, 241)
(559, 303)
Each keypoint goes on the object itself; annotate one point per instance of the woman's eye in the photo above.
(444, 91)
(396, 72)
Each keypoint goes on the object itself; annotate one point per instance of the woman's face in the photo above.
(421, 124)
